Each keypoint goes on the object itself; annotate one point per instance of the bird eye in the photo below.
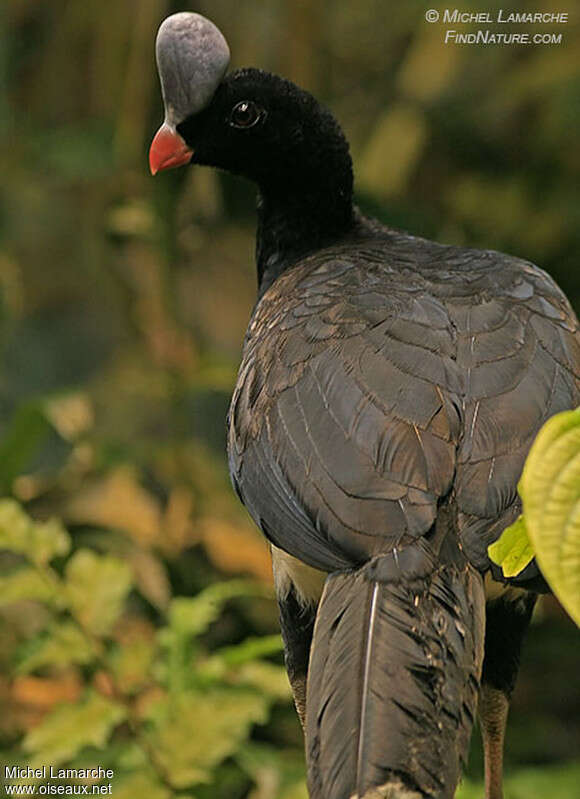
(245, 115)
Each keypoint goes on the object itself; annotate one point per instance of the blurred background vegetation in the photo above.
(123, 303)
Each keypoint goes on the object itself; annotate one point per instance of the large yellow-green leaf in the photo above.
(513, 549)
(97, 586)
(68, 729)
(550, 491)
(38, 541)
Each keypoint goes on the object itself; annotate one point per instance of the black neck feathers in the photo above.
(292, 225)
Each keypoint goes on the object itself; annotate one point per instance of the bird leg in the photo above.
(493, 713)
(298, 589)
(507, 617)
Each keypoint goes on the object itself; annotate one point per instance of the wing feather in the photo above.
(374, 386)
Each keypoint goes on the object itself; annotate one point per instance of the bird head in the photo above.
(250, 122)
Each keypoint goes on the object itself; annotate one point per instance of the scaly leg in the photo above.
(493, 713)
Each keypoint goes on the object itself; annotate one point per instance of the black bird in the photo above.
(389, 390)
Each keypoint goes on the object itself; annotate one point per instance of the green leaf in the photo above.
(240, 664)
(64, 732)
(97, 586)
(192, 616)
(27, 584)
(59, 646)
(550, 491)
(248, 650)
(513, 550)
(40, 542)
(198, 731)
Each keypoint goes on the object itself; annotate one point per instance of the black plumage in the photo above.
(395, 669)
(389, 391)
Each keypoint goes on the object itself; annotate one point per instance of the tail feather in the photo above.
(393, 678)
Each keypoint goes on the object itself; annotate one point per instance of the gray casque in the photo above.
(192, 58)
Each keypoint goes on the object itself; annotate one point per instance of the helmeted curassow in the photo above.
(389, 390)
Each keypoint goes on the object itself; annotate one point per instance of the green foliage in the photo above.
(27, 584)
(192, 616)
(39, 542)
(62, 644)
(68, 729)
(513, 549)
(550, 526)
(225, 716)
(550, 491)
(557, 783)
(96, 588)
(165, 706)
